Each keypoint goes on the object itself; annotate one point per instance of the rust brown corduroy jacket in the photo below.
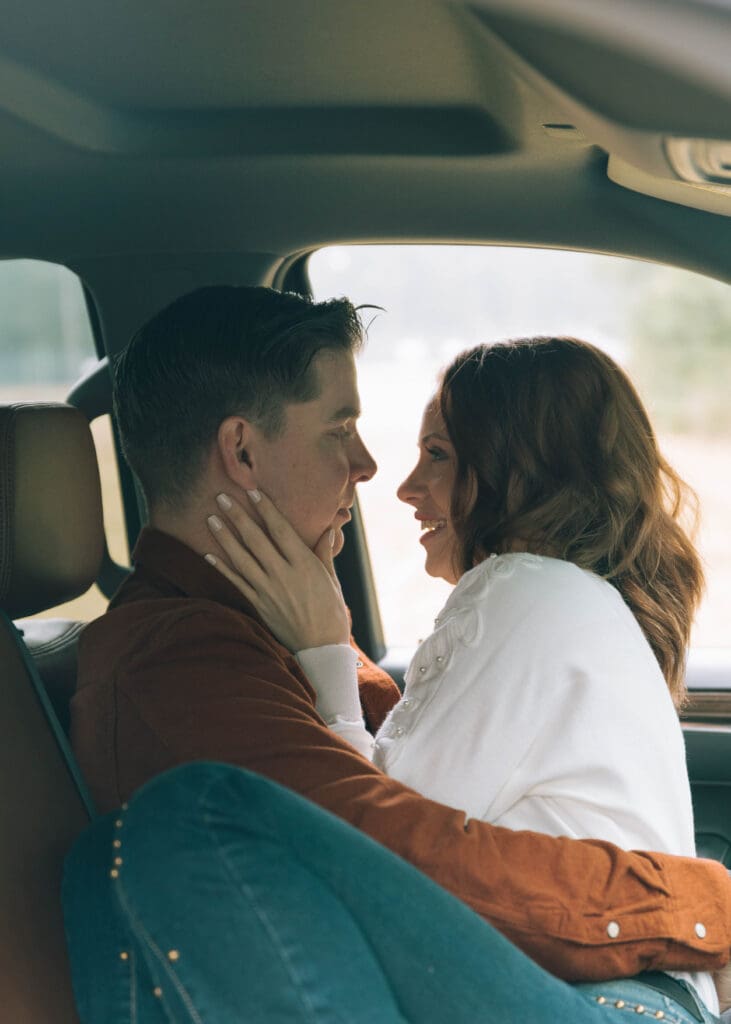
(181, 669)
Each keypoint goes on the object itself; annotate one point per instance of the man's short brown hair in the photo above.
(217, 352)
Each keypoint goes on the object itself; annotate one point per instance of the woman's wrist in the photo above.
(332, 671)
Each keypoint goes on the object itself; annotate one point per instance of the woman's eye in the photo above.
(436, 454)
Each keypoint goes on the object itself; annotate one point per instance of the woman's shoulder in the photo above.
(542, 618)
(498, 569)
(516, 570)
(550, 590)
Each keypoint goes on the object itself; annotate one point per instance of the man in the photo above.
(228, 390)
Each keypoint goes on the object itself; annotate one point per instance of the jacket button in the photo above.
(700, 930)
(613, 929)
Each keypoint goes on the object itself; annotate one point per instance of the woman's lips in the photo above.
(431, 528)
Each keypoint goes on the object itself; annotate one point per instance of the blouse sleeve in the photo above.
(332, 671)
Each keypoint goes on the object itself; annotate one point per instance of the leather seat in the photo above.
(51, 543)
(53, 645)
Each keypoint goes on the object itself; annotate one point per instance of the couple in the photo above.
(220, 896)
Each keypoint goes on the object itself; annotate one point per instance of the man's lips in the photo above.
(343, 514)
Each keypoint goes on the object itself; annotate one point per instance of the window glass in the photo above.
(46, 345)
(669, 328)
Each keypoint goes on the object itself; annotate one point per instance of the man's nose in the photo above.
(362, 464)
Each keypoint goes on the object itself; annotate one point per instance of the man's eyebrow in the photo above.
(346, 412)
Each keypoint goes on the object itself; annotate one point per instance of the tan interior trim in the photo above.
(708, 706)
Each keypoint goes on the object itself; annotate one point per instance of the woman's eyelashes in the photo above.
(437, 454)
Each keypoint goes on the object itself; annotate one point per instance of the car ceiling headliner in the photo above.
(276, 127)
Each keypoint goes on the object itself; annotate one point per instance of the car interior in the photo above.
(152, 149)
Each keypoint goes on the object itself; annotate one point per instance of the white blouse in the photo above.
(536, 703)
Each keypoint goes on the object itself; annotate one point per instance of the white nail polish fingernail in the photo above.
(214, 522)
(211, 559)
(332, 538)
(255, 496)
(224, 501)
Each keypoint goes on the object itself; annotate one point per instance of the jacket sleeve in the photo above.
(217, 689)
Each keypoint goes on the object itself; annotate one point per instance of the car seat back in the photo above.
(53, 645)
(51, 538)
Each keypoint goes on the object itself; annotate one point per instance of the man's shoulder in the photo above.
(167, 611)
(157, 629)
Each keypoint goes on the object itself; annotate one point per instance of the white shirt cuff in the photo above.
(333, 673)
(356, 734)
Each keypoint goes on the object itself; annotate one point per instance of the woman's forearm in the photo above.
(332, 671)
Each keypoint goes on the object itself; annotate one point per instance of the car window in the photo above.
(46, 345)
(669, 328)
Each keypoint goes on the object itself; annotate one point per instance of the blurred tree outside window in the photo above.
(669, 328)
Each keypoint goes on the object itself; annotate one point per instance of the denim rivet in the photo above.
(157, 992)
(173, 955)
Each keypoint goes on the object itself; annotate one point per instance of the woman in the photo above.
(544, 698)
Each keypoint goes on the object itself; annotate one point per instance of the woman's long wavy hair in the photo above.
(555, 454)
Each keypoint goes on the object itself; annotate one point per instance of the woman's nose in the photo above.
(409, 490)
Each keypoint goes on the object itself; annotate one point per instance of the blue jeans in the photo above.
(219, 897)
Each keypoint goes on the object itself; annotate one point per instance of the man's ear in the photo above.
(235, 437)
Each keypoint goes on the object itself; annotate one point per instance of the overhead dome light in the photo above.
(700, 161)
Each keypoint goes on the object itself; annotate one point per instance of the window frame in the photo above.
(709, 670)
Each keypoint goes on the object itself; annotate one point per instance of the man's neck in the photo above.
(189, 528)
